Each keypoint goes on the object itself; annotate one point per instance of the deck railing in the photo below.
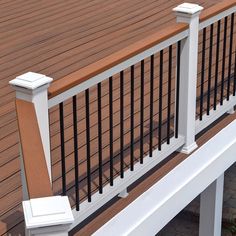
(216, 73)
(114, 120)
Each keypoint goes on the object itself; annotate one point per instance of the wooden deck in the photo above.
(56, 38)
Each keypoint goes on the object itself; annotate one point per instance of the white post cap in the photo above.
(47, 211)
(188, 8)
(30, 80)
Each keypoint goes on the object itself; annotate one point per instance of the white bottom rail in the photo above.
(109, 192)
(215, 114)
(151, 211)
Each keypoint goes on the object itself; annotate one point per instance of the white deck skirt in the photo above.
(152, 210)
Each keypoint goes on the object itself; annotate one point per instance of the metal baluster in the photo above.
(88, 144)
(63, 166)
(99, 137)
(122, 124)
(111, 127)
(169, 94)
(132, 120)
(151, 104)
(230, 54)
(210, 70)
(217, 63)
(74, 102)
(160, 101)
(234, 88)
(223, 61)
(141, 111)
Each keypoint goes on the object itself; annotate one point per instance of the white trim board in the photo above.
(215, 114)
(151, 211)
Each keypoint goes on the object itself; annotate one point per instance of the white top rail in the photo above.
(217, 17)
(116, 69)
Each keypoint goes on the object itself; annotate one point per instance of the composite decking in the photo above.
(57, 38)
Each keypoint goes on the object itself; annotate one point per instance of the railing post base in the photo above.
(188, 149)
(48, 216)
(123, 194)
(231, 111)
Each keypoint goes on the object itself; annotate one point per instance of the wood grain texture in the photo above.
(37, 178)
(216, 9)
(57, 38)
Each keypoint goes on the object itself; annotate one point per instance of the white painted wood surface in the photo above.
(188, 13)
(211, 204)
(48, 216)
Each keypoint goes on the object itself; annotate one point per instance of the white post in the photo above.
(211, 208)
(188, 13)
(32, 87)
(49, 216)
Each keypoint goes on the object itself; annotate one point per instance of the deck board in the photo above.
(56, 38)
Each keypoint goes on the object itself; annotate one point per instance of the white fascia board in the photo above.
(152, 210)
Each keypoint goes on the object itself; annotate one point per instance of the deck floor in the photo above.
(56, 38)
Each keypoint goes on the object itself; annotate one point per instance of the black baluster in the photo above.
(88, 144)
(234, 87)
(132, 120)
(63, 165)
(122, 124)
(111, 127)
(141, 111)
(210, 70)
(223, 61)
(76, 152)
(230, 54)
(169, 94)
(99, 137)
(151, 105)
(217, 63)
(160, 101)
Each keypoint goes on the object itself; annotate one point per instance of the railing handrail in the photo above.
(216, 9)
(35, 167)
(80, 76)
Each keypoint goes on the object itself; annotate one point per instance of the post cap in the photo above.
(188, 8)
(30, 80)
(47, 211)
